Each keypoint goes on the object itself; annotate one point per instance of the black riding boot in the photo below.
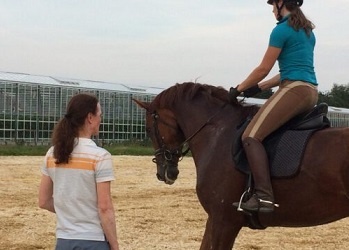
(262, 199)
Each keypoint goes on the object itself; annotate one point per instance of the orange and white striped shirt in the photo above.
(75, 189)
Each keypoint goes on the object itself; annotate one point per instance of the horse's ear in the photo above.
(141, 104)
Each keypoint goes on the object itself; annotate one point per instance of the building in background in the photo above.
(30, 106)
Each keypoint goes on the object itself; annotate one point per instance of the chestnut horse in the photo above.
(201, 116)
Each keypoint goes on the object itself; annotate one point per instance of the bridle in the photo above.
(167, 154)
(170, 154)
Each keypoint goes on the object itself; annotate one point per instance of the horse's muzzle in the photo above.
(167, 173)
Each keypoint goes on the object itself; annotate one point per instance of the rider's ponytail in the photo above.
(297, 19)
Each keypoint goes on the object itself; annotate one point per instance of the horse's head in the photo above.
(175, 106)
(167, 139)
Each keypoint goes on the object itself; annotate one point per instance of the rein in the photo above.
(207, 122)
(169, 154)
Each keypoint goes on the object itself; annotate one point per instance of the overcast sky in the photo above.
(160, 42)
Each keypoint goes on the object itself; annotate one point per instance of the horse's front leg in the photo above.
(220, 234)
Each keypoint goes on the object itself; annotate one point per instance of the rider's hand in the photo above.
(233, 93)
(252, 91)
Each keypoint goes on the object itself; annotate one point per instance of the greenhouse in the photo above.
(30, 106)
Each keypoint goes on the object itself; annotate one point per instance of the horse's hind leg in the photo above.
(219, 235)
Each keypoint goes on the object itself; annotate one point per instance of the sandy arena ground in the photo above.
(150, 214)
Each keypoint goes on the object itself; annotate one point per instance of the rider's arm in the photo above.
(270, 83)
(262, 70)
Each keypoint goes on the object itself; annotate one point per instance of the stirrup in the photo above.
(241, 198)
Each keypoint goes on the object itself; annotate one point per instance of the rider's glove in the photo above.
(252, 91)
(233, 93)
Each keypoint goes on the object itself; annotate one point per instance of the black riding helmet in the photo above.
(298, 2)
(279, 17)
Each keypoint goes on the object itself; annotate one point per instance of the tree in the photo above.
(337, 97)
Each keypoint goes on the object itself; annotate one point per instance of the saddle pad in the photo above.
(285, 151)
(285, 156)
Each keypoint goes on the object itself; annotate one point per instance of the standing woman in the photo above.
(292, 44)
(75, 182)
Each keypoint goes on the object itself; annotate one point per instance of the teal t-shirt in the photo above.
(296, 60)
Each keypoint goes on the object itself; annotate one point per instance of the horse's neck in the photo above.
(210, 134)
(200, 122)
(192, 118)
(196, 123)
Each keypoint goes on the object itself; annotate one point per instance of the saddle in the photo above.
(285, 146)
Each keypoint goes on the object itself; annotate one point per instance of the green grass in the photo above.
(130, 150)
(23, 150)
(117, 149)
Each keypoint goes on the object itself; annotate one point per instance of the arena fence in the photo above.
(338, 119)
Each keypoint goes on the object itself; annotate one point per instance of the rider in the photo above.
(292, 44)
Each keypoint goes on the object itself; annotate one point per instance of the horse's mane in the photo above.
(189, 90)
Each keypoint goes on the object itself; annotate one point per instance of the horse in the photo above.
(202, 117)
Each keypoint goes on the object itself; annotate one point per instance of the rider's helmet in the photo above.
(299, 3)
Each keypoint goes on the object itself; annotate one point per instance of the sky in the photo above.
(158, 43)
